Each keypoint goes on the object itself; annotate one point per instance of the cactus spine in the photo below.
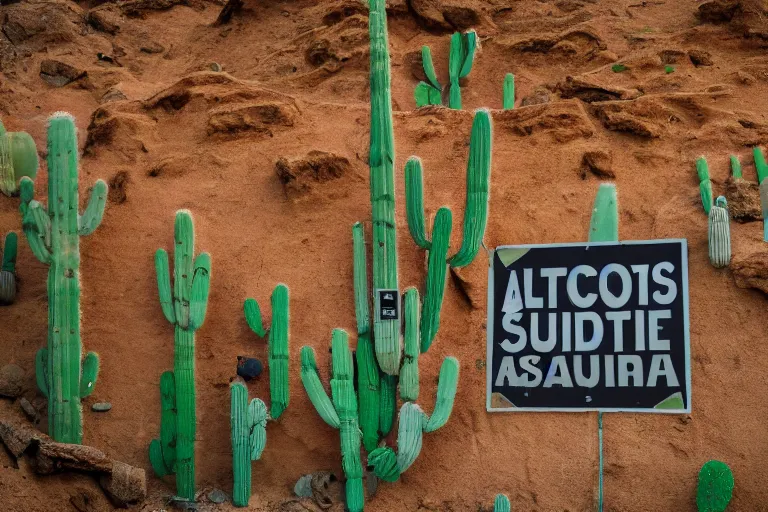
(715, 488)
(475, 220)
(460, 60)
(18, 158)
(185, 308)
(340, 412)
(719, 235)
(248, 422)
(501, 504)
(509, 94)
(8, 269)
(54, 237)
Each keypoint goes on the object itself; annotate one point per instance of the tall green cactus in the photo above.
(185, 308)
(475, 220)
(248, 422)
(63, 376)
(762, 174)
(705, 185)
(8, 269)
(340, 411)
(381, 161)
(501, 504)
(249, 437)
(18, 158)
(460, 60)
(413, 422)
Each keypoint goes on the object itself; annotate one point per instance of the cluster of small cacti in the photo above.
(248, 422)
(54, 237)
(184, 303)
(719, 231)
(18, 159)
(8, 269)
(460, 60)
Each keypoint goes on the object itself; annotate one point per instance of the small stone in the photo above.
(700, 58)
(152, 47)
(538, 97)
(58, 73)
(248, 368)
(11, 381)
(303, 488)
(598, 163)
(29, 410)
(215, 66)
(217, 496)
(113, 94)
(101, 407)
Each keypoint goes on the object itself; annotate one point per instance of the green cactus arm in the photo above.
(23, 154)
(715, 488)
(760, 164)
(478, 188)
(705, 185)
(240, 437)
(414, 201)
(446, 393)
(368, 375)
(436, 272)
(387, 403)
(89, 374)
(278, 352)
(9, 250)
(501, 504)
(26, 193)
(736, 167)
(156, 459)
(257, 424)
(36, 225)
(168, 420)
(163, 272)
(429, 67)
(384, 462)
(381, 162)
(90, 220)
(470, 46)
(201, 285)
(509, 91)
(409, 373)
(764, 205)
(253, 317)
(604, 225)
(41, 371)
(409, 435)
(315, 390)
(183, 266)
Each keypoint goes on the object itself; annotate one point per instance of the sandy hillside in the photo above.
(167, 130)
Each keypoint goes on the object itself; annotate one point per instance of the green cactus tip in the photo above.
(501, 504)
(715, 487)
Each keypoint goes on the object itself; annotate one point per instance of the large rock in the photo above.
(11, 381)
(752, 271)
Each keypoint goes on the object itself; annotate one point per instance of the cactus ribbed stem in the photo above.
(241, 451)
(409, 374)
(705, 185)
(278, 352)
(54, 237)
(436, 273)
(18, 158)
(414, 202)
(382, 159)
(8, 269)
(501, 504)
(760, 164)
(186, 309)
(604, 225)
(509, 92)
(736, 167)
(719, 234)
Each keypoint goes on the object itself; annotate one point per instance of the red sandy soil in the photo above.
(167, 134)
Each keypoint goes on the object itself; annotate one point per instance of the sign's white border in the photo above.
(686, 325)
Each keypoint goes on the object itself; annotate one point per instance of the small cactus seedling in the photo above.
(501, 504)
(340, 411)
(8, 270)
(53, 234)
(18, 158)
(413, 422)
(184, 304)
(719, 235)
(248, 421)
(715, 487)
(705, 185)
(509, 91)
(460, 60)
